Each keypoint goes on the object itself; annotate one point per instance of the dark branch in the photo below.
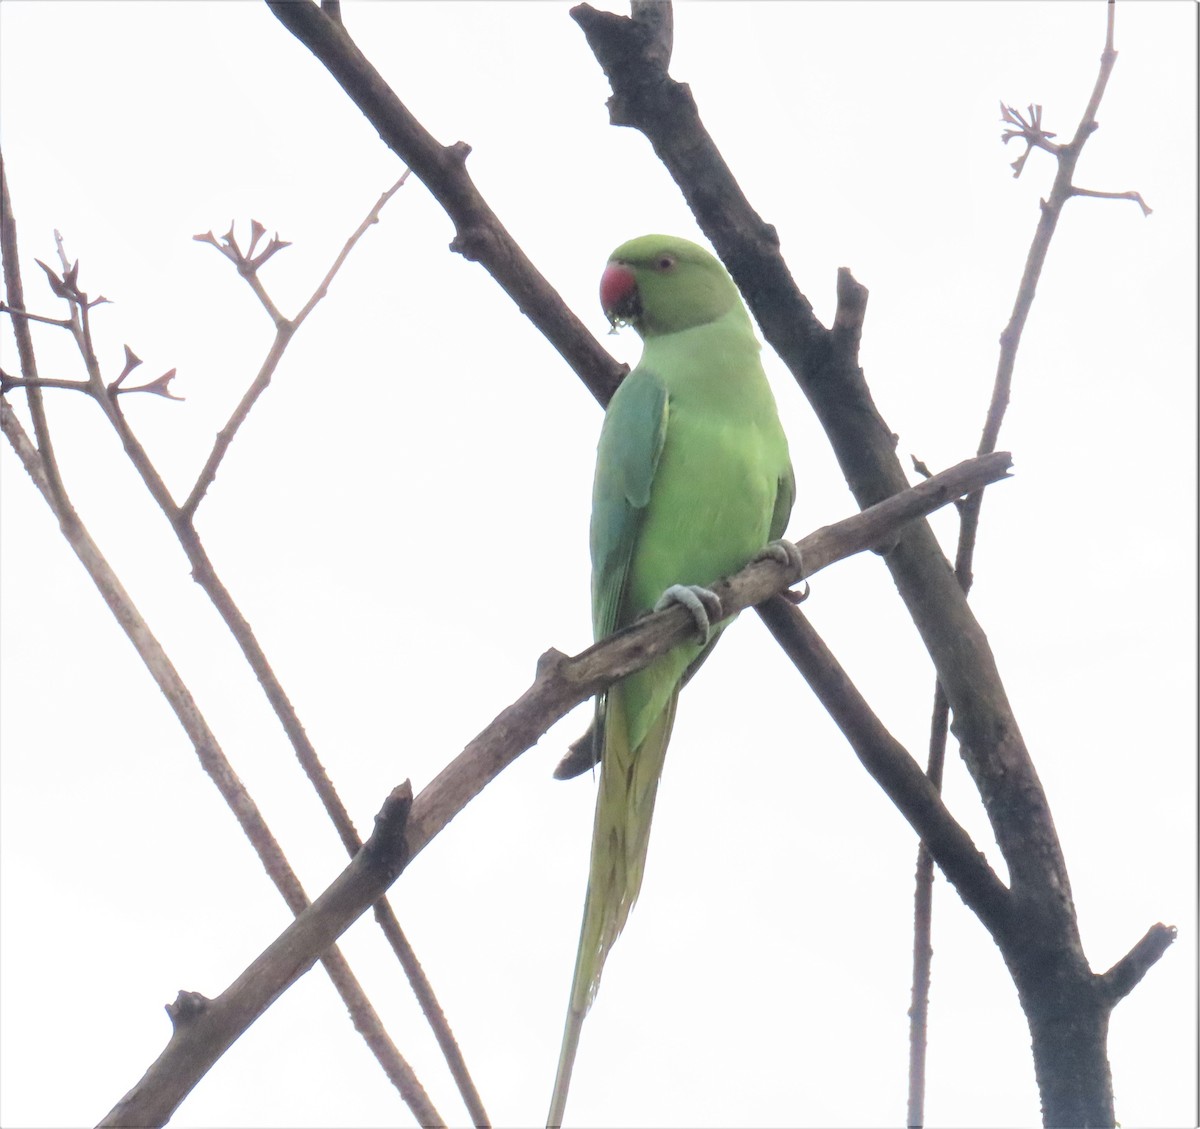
(563, 683)
(204, 1029)
(480, 236)
(825, 365)
(892, 767)
(1127, 973)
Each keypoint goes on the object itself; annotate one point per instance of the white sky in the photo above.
(404, 519)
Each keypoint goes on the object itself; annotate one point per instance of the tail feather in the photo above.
(620, 837)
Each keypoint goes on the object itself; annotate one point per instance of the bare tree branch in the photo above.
(480, 236)
(564, 683)
(205, 574)
(1067, 1019)
(285, 330)
(204, 1029)
(1067, 157)
(1127, 973)
(560, 684)
(893, 768)
(645, 97)
(44, 472)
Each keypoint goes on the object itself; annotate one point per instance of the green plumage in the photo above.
(693, 479)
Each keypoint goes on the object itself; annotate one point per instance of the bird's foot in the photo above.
(787, 553)
(703, 604)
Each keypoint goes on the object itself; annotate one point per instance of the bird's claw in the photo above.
(797, 595)
(787, 553)
(703, 604)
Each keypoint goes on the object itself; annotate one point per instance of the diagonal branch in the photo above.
(215, 763)
(1067, 157)
(39, 463)
(560, 683)
(203, 1029)
(285, 330)
(479, 234)
(565, 682)
(893, 768)
(825, 364)
(204, 573)
(1127, 973)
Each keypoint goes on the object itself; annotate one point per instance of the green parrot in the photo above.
(693, 481)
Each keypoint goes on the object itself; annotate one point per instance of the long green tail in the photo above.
(620, 836)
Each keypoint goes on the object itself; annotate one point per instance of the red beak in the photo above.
(616, 285)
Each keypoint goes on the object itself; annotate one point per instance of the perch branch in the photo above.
(568, 681)
(207, 1028)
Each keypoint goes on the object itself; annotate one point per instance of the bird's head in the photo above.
(660, 284)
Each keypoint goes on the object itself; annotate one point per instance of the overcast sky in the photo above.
(404, 522)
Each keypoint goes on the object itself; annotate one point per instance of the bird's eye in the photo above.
(665, 262)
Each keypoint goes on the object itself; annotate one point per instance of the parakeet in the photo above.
(693, 479)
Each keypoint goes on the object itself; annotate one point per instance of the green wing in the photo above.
(785, 496)
(631, 442)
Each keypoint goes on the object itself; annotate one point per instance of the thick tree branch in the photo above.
(825, 365)
(479, 234)
(1045, 956)
(893, 768)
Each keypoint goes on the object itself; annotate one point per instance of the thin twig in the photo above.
(1066, 157)
(284, 332)
(204, 573)
(44, 473)
(1130, 195)
(918, 1014)
(15, 295)
(7, 309)
(206, 576)
(7, 382)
